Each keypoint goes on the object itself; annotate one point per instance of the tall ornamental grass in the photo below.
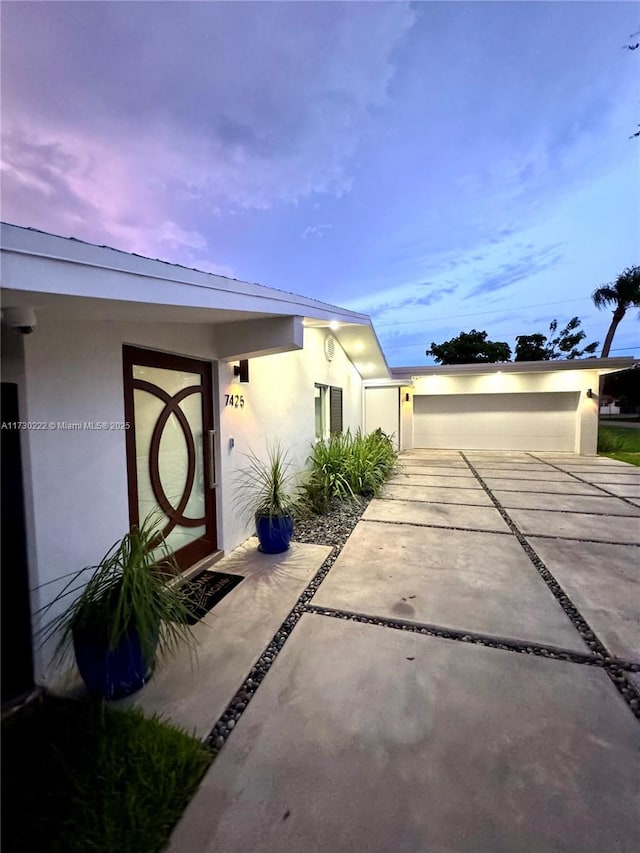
(346, 466)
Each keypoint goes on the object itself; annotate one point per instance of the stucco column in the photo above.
(587, 415)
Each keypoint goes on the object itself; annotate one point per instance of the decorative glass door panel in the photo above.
(168, 402)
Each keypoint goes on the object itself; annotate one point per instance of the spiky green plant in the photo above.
(345, 466)
(267, 487)
(135, 585)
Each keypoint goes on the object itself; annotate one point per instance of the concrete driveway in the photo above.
(464, 679)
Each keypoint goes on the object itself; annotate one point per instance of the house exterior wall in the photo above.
(279, 407)
(382, 410)
(78, 506)
(406, 418)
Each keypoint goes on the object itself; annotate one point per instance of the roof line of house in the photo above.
(607, 364)
(271, 293)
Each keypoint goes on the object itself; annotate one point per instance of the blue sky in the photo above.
(440, 166)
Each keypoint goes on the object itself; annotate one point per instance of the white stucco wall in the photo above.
(406, 418)
(79, 503)
(279, 407)
(382, 410)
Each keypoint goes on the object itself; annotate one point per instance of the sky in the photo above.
(440, 166)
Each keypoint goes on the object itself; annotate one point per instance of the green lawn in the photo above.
(78, 776)
(619, 443)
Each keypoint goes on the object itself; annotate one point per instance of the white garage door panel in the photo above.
(496, 421)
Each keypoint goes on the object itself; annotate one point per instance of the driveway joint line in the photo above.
(582, 538)
(573, 511)
(589, 483)
(437, 503)
(477, 638)
(226, 723)
(626, 689)
(439, 526)
(223, 727)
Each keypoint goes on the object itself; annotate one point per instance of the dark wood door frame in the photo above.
(207, 544)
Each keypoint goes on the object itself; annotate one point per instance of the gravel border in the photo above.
(585, 482)
(334, 529)
(623, 685)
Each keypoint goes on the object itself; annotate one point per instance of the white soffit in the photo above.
(360, 343)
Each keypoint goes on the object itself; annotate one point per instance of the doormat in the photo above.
(207, 590)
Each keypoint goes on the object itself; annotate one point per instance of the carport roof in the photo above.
(602, 365)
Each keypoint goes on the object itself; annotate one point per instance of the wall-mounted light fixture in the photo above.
(242, 370)
(589, 393)
(406, 397)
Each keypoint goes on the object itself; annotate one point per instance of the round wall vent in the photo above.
(329, 347)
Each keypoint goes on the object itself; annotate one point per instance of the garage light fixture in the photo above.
(589, 393)
(242, 370)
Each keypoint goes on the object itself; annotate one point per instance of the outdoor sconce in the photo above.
(406, 397)
(242, 370)
(589, 393)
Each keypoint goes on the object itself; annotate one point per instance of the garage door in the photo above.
(496, 421)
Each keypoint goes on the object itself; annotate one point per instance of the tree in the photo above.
(470, 348)
(565, 344)
(531, 348)
(623, 293)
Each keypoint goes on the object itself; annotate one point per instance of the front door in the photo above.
(171, 449)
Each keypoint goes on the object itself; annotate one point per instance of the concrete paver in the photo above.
(543, 475)
(500, 456)
(603, 581)
(435, 470)
(624, 491)
(364, 738)
(194, 693)
(463, 580)
(613, 478)
(437, 514)
(565, 487)
(578, 462)
(598, 528)
(437, 494)
(602, 504)
(580, 470)
(445, 480)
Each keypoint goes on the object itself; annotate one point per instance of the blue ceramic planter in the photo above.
(112, 674)
(274, 533)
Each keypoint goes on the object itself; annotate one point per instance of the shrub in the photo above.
(345, 466)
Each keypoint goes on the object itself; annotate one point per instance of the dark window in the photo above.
(335, 410)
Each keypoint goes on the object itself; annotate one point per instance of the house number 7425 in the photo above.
(235, 400)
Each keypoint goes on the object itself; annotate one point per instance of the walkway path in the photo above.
(464, 680)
